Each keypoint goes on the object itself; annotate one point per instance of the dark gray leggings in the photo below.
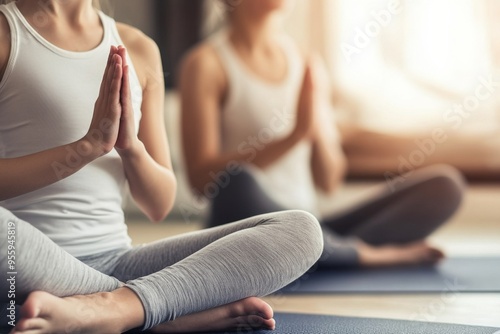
(403, 212)
(173, 276)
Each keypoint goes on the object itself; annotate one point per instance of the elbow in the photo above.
(330, 186)
(158, 216)
(332, 181)
(196, 180)
(160, 211)
(203, 177)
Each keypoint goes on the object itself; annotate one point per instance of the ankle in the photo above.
(367, 254)
(128, 306)
(378, 256)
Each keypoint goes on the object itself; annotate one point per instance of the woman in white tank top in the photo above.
(260, 137)
(80, 121)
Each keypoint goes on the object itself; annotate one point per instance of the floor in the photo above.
(475, 230)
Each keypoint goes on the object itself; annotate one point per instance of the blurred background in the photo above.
(416, 82)
(403, 68)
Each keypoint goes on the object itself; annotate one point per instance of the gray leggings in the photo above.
(408, 211)
(175, 276)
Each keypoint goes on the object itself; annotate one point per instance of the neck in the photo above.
(73, 11)
(254, 32)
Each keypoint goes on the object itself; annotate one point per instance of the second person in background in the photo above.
(261, 106)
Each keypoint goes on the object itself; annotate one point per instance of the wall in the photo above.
(140, 14)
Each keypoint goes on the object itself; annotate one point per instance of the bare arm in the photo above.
(22, 175)
(203, 87)
(4, 43)
(25, 174)
(328, 162)
(146, 157)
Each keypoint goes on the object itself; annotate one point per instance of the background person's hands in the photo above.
(306, 118)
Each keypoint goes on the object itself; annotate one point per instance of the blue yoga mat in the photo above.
(290, 323)
(454, 274)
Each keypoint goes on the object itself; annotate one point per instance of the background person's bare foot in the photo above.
(418, 253)
(247, 314)
(100, 313)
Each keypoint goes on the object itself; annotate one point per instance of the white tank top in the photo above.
(257, 112)
(47, 98)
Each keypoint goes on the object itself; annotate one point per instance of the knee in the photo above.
(6, 217)
(448, 183)
(306, 231)
(9, 226)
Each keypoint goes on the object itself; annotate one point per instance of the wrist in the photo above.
(295, 136)
(315, 137)
(87, 149)
(134, 151)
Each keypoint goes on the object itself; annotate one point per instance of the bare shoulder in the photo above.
(142, 50)
(136, 39)
(202, 64)
(4, 44)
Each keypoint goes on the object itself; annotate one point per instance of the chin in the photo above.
(269, 5)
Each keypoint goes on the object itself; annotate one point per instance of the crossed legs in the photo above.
(207, 278)
(388, 228)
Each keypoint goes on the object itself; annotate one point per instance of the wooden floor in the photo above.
(475, 230)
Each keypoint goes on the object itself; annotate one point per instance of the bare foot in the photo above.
(418, 253)
(247, 314)
(119, 311)
(100, 313)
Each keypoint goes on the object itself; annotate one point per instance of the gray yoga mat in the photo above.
(289, 323)
(454, 274)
